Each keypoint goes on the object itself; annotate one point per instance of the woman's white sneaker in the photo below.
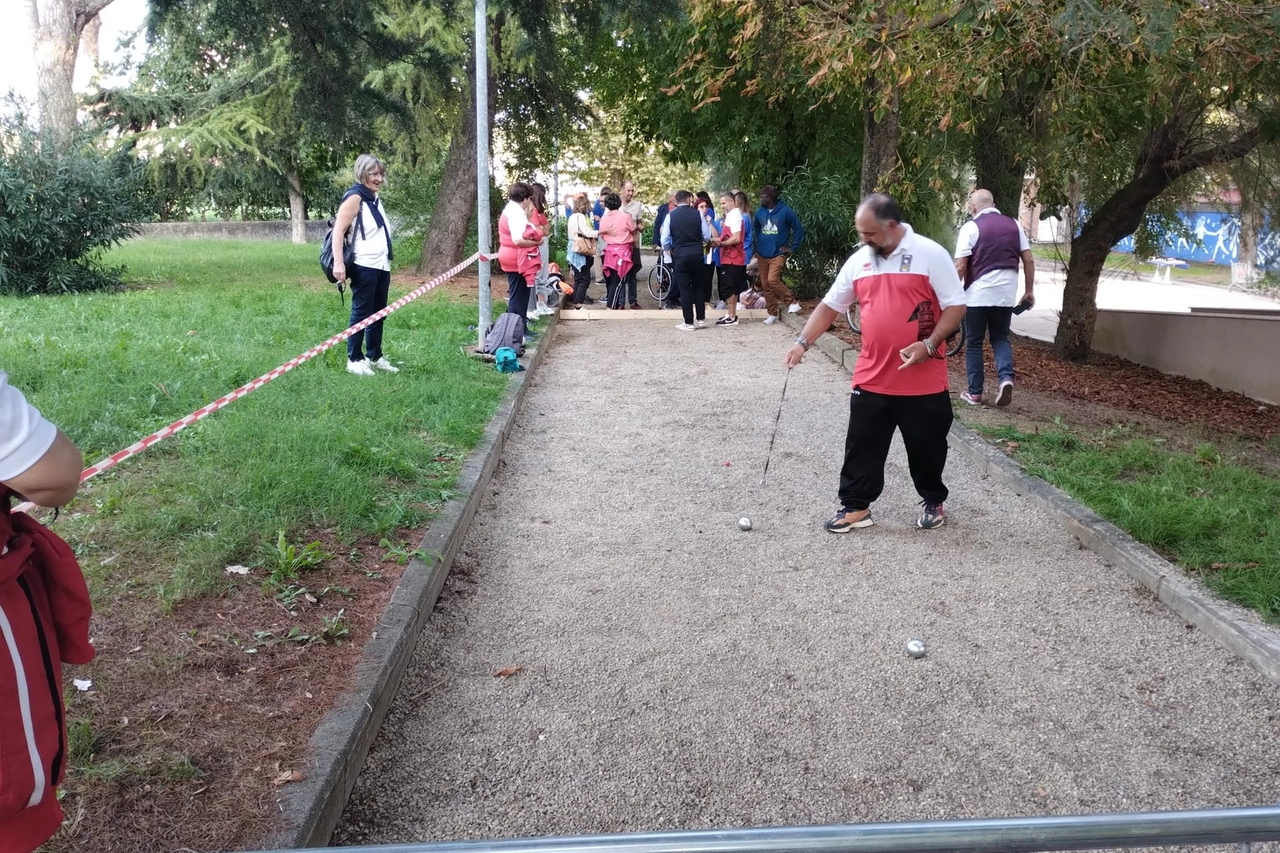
(360, 368)
(383, 364)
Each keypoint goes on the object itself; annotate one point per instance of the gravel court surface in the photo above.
(679, 673)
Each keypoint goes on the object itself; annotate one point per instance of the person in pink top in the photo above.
(618, 230)
(911, 301)
(516, 237)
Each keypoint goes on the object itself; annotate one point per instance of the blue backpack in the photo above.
(506, 361)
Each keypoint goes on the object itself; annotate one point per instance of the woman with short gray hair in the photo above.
(362, 220)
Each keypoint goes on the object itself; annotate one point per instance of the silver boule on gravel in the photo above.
(915, 648)
(744, 523)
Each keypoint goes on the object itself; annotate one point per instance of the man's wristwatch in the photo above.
(802, 342)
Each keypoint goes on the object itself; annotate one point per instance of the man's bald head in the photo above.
(980, 199)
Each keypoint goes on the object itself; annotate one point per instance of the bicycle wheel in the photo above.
(854, 317)
(659, 282)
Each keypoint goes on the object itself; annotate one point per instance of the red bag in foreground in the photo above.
(44, 622)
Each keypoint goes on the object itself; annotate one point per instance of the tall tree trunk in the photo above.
(456, 202)
(880, 139)
(1251, 222)
(1163, 160)
(89, 47)
(1074, 339)
(997, 163)
(56, 26)
(297, 208)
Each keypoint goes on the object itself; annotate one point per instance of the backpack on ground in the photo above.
(507, 332)
(505, 360)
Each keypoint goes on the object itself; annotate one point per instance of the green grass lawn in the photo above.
(315, 448)
(1215, 518)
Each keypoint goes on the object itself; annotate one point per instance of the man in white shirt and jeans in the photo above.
(988, 251)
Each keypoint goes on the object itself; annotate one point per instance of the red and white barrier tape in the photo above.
(199, 414)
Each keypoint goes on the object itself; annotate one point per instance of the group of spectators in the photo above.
(701, 247)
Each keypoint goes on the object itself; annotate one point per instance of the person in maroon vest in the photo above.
(988, 251)
(44, 622)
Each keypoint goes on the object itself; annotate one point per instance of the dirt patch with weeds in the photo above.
(197, 717)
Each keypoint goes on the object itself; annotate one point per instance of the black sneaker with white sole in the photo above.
(727, 321)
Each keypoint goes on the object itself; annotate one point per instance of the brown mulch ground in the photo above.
(187, 735)
(1110, 381)
(1109, 389)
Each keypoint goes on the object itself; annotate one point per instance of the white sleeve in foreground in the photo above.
(25, 435)
(945, 281)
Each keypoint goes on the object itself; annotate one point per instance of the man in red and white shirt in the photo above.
(911, 301)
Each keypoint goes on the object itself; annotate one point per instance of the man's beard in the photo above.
(880, 250)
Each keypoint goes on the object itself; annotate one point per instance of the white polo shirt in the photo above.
(997, 288)
(25, 435)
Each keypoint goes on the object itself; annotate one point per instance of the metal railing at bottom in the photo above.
(1240, 826)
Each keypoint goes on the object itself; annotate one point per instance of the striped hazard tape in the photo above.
(204, 412)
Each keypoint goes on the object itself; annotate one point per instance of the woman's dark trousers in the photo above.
(517, 295)
(369, 289)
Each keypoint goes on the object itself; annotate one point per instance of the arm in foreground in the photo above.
(819, 321)
(55, 476)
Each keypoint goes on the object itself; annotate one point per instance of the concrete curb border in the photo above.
(312, 807)
(1237, 629)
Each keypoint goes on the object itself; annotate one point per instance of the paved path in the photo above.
(1125, 293)
(678, 673)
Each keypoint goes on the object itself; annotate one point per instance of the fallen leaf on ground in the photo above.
(508, 672)
(286, 777)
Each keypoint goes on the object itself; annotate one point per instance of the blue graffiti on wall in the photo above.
(1216, 240)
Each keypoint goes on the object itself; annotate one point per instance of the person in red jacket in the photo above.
(44, 622)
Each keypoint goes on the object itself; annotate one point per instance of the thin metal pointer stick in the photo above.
(776, 421)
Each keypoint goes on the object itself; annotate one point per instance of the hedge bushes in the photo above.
(60, 207)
